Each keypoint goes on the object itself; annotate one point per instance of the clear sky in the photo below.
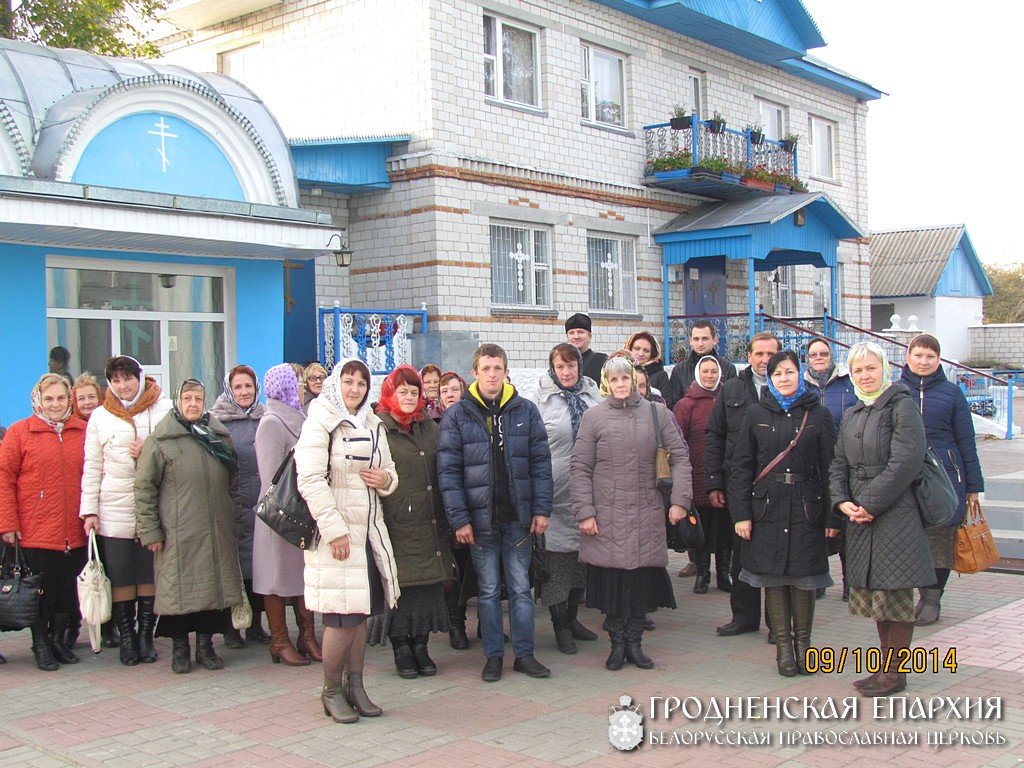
(946, 145)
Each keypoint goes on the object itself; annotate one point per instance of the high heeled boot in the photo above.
(355, 694)
(123, 613)
(802, 607)
(780, 612)
(147, 624)
(891, 681)
(336, 707)
(281, 648)
(307, 644)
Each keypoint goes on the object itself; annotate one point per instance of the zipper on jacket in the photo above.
(956, 467)
(63, 484)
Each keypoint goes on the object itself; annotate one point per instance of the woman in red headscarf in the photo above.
(416, 524)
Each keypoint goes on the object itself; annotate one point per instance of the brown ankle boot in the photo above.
(281, 648)
(307, 644)
(901, 633)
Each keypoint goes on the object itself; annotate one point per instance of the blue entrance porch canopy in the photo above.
(769, 232)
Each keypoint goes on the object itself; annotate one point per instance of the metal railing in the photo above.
(668, 148)
(378, 337)
(988, 395)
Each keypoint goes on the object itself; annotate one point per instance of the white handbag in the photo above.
(94, 594)
(241, 614)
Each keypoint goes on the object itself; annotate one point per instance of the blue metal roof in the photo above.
(776, 32)
(764, 230)
(350, 165)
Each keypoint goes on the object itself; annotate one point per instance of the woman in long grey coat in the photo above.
(276, 565)
(880, 452)
(239, 409)
(620, 510)
(189, 513)
(563, 395)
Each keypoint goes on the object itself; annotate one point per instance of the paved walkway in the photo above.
(255, 713)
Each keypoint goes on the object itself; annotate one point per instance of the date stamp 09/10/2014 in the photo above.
(829, 660)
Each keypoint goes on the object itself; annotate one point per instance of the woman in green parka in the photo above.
(189, 513)
(416, 524)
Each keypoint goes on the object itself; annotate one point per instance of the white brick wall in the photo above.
(383, 66)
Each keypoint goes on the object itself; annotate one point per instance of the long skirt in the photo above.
(619, 593)
(883, 604)
(567, 574)
(277, 566)
(203, 622)
(420, 611)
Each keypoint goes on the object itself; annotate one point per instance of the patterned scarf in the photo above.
(200, 430)
(572, 398)
(280, 383)
(245, 371)
(332, 394)
(37, 401)
(786, 401)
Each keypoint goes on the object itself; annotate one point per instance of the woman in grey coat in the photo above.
(239, 409)
(880, 452)
(563, 395)
(621, 512)
(277, 566)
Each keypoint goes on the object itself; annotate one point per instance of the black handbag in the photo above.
(937, 502)
(20, 590)
(687, 534)
(540, 568)
(284, 510)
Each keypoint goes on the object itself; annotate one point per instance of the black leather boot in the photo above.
(424, 663)
(58, 639)
(722, 578)
(802, 602)
(572, 606)
(147, 623)
(616, 629)
(73, 631)
(41, 646)
(405, 663)
(702, 582)
(563, 634)
(109, 636)
(779, 610)
(634, 649)
(457, 638)
(181, 656)
(124, 615)
(205, 654)
(233, 639)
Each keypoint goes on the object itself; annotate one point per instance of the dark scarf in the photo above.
(821, 377)
(200, 430)
(572, 398)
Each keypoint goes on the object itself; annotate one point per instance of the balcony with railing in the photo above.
(704, 157)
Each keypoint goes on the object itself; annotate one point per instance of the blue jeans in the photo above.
(508, 545)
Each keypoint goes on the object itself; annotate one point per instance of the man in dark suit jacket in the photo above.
(703, 343)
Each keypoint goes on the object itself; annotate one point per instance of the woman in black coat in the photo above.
(782, 509)
(879, 454)
(949, 428)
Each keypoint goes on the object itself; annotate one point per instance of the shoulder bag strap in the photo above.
(775, 462)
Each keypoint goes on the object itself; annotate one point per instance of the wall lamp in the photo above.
(342, 254)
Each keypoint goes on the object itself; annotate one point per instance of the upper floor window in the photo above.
(772, 119)
(692, 92)
(520, 266)
(602, 88)
(511, 62)
(823, 147)
(611, 273)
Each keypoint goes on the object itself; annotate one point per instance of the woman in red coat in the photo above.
(692, 412)
(41, 462)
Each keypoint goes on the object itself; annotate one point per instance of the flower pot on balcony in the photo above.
(733, 178)
(756, 137)
(788, 146)
(679, 123)
(767, 186)
(716, 126)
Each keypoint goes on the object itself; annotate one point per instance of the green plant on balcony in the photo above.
(756, 133)
(672, 162)
(679, 120)
(720, 165)
(789, 142)
(759, 173)
(717, 123)
(787, 179)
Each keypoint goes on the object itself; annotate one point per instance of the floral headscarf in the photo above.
(45, 381)
(331, 393)
(280, 383)
(244, 370)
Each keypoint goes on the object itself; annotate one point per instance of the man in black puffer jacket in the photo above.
(494, 469)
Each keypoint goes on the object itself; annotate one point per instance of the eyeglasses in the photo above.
(315, 379)
(819, 354)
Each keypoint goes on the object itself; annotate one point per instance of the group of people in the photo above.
(440, 491)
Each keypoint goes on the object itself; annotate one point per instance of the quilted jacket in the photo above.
(879, 453)
(613, 478)
(464, 469)
(41, 483)
(108, 483)
(345, 506)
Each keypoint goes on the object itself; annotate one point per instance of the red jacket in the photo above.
(692, 413)
(41, 483)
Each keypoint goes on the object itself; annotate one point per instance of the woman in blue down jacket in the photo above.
(950, 431)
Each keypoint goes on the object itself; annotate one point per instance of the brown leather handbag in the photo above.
(975, 545)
